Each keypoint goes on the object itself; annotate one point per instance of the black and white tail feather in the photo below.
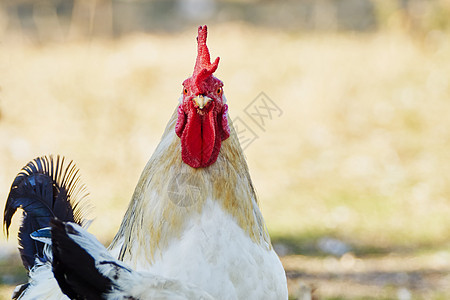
(64, 260)
(47, 187)
(84, 269)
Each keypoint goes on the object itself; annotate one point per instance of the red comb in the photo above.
(203, 67)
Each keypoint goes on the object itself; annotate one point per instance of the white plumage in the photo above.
(217, 243)
(217, 255)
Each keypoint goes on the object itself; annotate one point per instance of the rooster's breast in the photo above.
(215, 254)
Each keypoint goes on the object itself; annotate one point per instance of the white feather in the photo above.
(218, 256)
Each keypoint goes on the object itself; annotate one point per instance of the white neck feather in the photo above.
(161, 203)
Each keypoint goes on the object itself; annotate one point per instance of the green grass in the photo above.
(12, 273)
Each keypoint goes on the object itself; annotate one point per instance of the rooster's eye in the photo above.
(185, 91)
(219, 91)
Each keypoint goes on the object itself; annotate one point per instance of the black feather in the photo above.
(46, 188)
(74, 268)
(17, 293)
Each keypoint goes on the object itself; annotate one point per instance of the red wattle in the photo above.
(181, 121)
(201, 136)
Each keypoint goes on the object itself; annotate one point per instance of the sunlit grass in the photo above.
(360, 152)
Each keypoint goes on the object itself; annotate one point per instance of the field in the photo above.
(352, 168)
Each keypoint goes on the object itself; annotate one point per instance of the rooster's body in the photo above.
(194, 216)
(215, 239)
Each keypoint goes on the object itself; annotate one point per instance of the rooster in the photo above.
(194, 216)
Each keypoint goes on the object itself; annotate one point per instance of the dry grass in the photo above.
(360, 151)
(418, 276)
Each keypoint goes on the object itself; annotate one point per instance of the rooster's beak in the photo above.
(201, 101)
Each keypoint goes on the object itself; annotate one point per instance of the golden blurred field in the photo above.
(360, 154)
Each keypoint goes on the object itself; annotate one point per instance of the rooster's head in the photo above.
(202, 115)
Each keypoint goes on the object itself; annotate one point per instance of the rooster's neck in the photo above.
(169, 192)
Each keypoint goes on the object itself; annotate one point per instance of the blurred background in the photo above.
(352, 172)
